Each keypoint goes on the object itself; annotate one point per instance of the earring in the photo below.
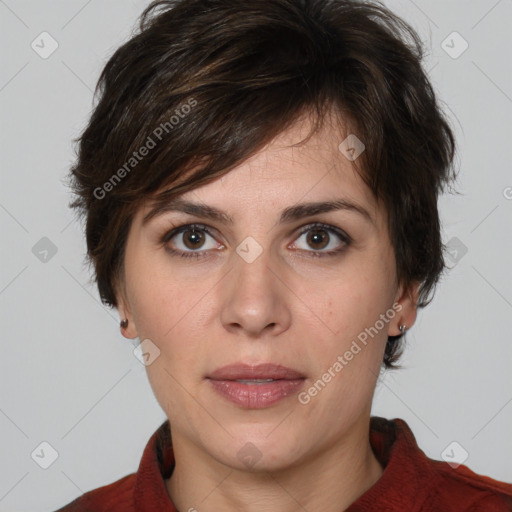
(124, 323)
(402, 328)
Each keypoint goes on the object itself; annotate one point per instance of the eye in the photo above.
(190, 241)
(319, 236)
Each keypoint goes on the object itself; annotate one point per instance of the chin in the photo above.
(254, 450)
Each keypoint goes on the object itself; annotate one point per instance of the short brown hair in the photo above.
(222, 78)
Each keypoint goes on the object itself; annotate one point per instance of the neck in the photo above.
(328, 481)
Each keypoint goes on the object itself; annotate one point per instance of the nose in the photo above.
(254, 298)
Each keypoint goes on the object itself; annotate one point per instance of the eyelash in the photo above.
(169, 235)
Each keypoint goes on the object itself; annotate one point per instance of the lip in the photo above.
(254, 395)
(258, 371)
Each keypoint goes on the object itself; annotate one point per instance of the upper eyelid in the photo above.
(340, 232)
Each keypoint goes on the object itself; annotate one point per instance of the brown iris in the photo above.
(315, 238)
(195, 238)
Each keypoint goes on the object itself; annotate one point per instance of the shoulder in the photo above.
(470, 491)
(413, 481)
(115, 497)
(457, 488)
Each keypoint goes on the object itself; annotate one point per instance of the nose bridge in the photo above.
(254, 298)
(253, 277)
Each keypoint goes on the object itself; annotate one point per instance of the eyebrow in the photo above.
(288, 215)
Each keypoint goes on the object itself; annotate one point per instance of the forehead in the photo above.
(307, 145)
(296, 166)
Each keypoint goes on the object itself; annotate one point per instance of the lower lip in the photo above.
(256, 396)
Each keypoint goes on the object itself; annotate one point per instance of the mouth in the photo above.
(255, 381)
(255, 386)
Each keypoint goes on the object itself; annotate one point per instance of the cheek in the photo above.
(351, 308)
(163, 299)
(166, 312)
(352, 301)
(170, 311)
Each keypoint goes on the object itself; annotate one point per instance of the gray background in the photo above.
(69, 378)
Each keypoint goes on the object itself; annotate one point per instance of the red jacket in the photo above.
(410, 482)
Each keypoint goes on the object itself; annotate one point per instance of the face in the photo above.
(303, 300)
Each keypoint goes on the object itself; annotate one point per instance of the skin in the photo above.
(287, 307)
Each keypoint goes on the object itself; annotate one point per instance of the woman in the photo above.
(259, 182)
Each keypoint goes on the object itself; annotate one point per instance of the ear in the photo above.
(406, 305)
(123, 307)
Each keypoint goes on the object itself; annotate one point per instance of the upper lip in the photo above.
(240, 371)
